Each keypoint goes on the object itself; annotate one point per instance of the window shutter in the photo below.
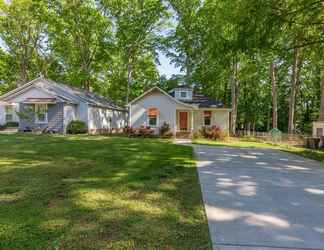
(207, 113)
(152, 112)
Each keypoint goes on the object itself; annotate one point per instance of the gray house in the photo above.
(182, 108)
(43, 103)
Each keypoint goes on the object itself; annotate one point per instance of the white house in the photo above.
(54, 105)
(184, 110)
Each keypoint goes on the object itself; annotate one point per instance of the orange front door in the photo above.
(183, 117)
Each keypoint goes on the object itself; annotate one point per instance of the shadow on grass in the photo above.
(84, 192)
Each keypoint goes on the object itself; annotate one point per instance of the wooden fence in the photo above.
(290, 139)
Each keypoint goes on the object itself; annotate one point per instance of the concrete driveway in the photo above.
(261, 198)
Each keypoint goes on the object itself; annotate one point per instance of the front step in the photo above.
(183, 135)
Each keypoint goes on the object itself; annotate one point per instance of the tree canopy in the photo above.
(263, 58)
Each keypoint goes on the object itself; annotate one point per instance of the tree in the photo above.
(22, 31)
(321, 115)
(274, 95)
(81, 39)
(182, 40)
(136, 24)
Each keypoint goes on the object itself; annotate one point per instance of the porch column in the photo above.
(192, 122)
(176, 122)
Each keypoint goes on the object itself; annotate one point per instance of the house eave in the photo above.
(215, 108)
(163, 92)
(107, 107)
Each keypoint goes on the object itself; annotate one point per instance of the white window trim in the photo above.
(210, 120)
(183, 97)
(46, 114)
(157, 122)
(12, 113)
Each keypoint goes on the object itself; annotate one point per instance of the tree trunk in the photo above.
(129, 81)
(274, 95)
(268, 119)
(321, 113)
(87, 84)
(248, 128)
(234, 94)
(225, 94)
(292, 100)
(188, 71)
(253, 128)
(23, 74)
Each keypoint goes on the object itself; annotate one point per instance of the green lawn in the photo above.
(246, 143)
(84, 192)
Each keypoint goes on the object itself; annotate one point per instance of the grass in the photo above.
(250, 143)
(84, 192)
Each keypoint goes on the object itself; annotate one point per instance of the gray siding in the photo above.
(55, 118)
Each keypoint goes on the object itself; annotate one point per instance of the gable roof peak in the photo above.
(65, 92)
(162, 92)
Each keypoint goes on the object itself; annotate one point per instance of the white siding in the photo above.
(16, 109)
(3, 115)
(100, 118)
(219, 118)
(177, 94)
(69, 114)
(82, 112)
(167, 110)
(317, 125)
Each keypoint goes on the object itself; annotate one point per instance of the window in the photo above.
(9, 113)
(153, 117)
(41, 113)
(207, 118)
(183, 94)
(152, 121)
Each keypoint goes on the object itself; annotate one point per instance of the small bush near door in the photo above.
(76, 127)
(213, 133)
(165, 131)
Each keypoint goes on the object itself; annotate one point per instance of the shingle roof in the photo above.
(198, 99)
(87, 96)
(183, 86)
(66, 93)
(203, 101)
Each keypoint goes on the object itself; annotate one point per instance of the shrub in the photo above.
(76, 127)
(165, 131)
(12, 124)
(197, 135)
(127, 130)
(213, 133)
(145, 131)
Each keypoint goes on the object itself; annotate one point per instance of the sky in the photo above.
(166, 68)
